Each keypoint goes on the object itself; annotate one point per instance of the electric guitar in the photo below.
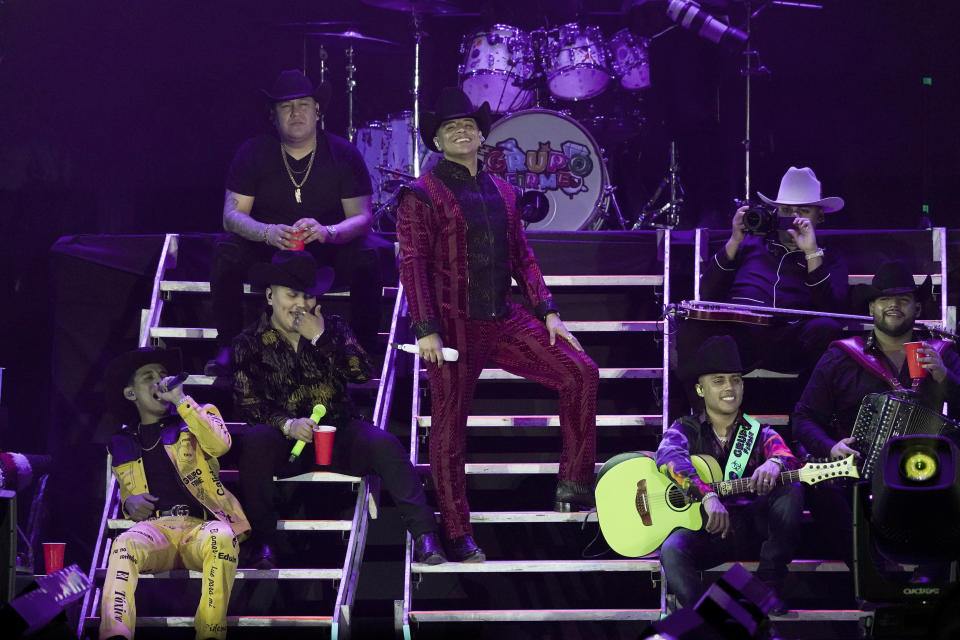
(638, 506)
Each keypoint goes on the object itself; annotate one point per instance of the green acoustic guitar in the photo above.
(638, 506)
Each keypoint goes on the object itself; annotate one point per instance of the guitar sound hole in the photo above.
(675, 498)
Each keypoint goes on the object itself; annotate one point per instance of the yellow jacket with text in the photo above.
(193, 443)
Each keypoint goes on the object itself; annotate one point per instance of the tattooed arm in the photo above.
(236, 219)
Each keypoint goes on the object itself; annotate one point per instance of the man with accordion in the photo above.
(850, 370)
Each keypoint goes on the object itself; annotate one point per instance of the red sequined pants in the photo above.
(520, 344)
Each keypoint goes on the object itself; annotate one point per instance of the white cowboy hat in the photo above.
(800, 187)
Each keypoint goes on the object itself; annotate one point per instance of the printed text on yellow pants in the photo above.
(163, 544)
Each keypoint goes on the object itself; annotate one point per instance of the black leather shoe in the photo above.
(427, 550)
(263, 557)
(573, 496)
(464, 549)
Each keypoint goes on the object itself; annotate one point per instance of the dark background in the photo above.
(121, 118)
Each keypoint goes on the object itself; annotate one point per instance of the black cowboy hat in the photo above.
(717, 354)
(452, 104)
(291, 84)
(892, 278)
(122, 368)
(295, 269)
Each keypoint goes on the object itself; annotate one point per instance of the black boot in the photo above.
(464, 549)
(427, 550)
(573, 496)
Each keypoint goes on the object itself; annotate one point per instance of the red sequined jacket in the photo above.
(432, 232)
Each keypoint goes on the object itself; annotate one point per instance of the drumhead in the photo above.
(543, 150)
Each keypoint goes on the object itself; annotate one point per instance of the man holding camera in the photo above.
(775, 262)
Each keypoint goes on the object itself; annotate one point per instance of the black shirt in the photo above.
(338, 172)
(483, 209)
(162, 478)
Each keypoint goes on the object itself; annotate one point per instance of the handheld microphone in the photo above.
(318, 412)
(449, 354)
(178, 380)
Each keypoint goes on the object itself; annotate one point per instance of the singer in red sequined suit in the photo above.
(461, 240)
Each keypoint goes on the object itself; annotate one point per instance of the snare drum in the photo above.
(546, 151)
(628, 57)
(575, 62)
(496, 64)
(373, 142)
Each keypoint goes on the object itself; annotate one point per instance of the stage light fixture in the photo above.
(908, 514)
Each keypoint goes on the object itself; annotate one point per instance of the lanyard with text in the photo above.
(742, 447)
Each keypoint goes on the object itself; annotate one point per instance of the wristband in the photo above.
(314, 339)
(777, 461)
(816, 254)
(185, 398)
(265, 236)
(285, 429)
(712, 494)
(332, 232)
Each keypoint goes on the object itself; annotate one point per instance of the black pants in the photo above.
(359, 448)
(360, 265)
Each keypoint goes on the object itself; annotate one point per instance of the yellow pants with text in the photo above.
(162, 544)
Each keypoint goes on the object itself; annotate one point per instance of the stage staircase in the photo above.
(501, 418)
(329, 606)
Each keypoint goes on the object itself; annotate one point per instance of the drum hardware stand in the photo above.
(611, 198)
(323, 73)
(669, 213)
(351, 85)
(417, 40)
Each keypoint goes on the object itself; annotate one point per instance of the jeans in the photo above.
(684, 554)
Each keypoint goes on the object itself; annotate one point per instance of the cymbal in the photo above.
(356, 39)
(440, 7)
(313, 25)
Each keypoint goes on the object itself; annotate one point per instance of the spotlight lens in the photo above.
(918, 466)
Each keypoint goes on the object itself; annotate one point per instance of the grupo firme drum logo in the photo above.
(543, 168)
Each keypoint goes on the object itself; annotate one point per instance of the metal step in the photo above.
(282, 525)
(540, 566)
(536, 615)
(232, 621)
(619, 326)
(232, 475)
(603, 281)
(191, 286)
(242, 574)
(638, 420)
(510, 468)
(553, 517)
(206, 381)
(606, 373)
(796, 566)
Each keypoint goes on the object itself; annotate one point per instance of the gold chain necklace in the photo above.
(296, 191)
(140, 438)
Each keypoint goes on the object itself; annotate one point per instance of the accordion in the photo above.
(886, 415)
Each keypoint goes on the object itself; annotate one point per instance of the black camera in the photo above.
(761, 220)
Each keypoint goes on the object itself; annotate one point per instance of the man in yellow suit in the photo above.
(165, 461)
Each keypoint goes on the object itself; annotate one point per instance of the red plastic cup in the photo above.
(323, 443)
(913, 360)
(298, 243)
(53, 556)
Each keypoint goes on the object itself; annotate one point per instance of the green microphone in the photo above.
(318, 412)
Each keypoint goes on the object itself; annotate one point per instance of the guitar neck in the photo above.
(742, 485)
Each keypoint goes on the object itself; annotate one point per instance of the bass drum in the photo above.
(545, 151)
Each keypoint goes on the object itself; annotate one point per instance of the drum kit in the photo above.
(542, 151)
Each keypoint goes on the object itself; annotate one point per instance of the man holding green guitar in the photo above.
(745, 449)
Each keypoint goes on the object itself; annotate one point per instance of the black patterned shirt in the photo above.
(272, 383)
